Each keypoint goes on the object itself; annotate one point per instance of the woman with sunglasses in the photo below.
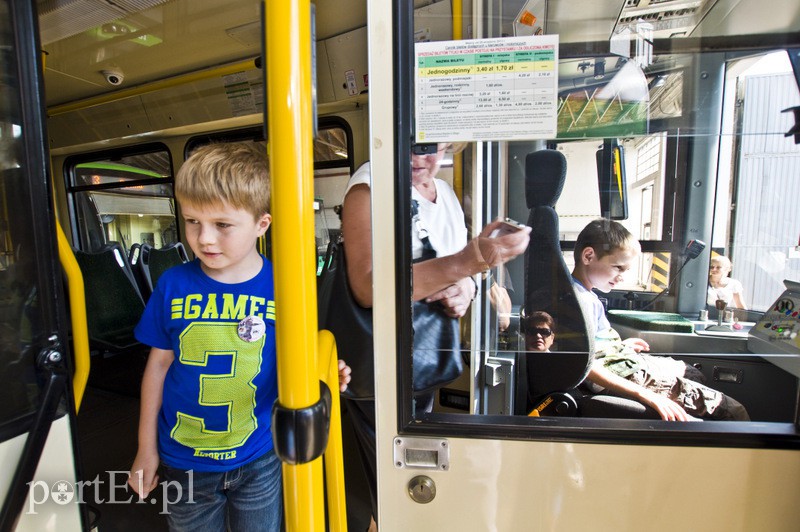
(539, 330)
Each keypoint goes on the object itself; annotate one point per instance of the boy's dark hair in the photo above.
(536, 318)
(236, 173)
(604, 237)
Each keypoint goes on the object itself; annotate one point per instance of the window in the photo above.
(122, 197)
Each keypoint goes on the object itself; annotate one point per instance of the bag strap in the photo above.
(427, 249)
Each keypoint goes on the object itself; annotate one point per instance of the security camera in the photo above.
(113, 76)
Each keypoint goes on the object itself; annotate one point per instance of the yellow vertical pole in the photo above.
(289, 121)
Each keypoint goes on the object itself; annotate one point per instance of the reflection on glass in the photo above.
(705, 160)
(20, 318)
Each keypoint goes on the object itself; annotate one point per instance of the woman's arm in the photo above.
(430, 276)
(357, 234)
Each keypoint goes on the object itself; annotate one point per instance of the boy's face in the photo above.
(605, 273)
(224, 239)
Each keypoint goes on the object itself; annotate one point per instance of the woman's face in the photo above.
(718, 270)
(425, 167)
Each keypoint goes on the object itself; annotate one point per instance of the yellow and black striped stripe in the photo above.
(659, 271)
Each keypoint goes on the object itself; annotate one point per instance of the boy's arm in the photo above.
(142, 477)
(668, 410)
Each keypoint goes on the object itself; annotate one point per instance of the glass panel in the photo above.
(755, 217)
(671, 121)
(20, 314)
(331, 145)
(118, 201)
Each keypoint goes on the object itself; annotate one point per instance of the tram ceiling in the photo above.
(149, 40)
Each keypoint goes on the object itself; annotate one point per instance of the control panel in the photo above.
(778, 331)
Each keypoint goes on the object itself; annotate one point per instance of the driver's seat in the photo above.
(551, 380)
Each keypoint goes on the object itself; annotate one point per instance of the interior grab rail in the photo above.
(77, 307)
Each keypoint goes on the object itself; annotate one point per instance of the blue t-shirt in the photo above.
(219, 390)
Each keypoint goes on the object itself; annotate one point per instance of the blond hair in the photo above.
(723, 261)
(234, 173)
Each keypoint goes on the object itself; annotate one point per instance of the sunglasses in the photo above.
(544, 332)
(427, 148)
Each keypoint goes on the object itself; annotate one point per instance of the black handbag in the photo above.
(436, 359)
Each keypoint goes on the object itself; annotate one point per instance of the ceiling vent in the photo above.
(59, 19)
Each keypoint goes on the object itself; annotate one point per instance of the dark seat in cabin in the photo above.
(152, 262)
(114, 303)
(554, 378)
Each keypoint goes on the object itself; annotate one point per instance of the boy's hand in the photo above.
(637, 344)
(143, 477)
(344, 375)
(668, 409)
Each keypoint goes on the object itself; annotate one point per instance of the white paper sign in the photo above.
(487, 89)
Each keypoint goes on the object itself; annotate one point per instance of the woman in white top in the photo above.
(720, 286)
(446, 278)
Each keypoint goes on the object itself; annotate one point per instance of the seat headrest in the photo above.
(545, 172)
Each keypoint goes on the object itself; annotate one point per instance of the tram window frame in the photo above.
(585, 430)
(326, 219)
(76, 191)
(256, 134)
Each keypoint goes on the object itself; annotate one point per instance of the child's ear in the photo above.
(587, 255)
(263, 223)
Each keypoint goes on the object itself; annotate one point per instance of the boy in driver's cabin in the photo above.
(210, 380)
(604, 251)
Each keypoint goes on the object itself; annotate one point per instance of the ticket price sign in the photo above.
(487, 89)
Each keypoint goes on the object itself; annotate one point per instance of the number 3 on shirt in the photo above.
(235, 389)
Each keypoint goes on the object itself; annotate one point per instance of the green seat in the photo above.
(113, 301)
(154, 262)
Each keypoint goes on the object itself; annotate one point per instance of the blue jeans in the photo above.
(246, 499)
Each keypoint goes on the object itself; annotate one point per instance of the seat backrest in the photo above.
(114, 303)
(548, 281)
(154, 262)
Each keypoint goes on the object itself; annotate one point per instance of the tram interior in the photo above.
(94, 48)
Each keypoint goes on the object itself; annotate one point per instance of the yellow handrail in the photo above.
(77, 307)
(334, 453)
(289, 121)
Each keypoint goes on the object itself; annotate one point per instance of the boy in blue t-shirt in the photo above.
(604, 251)
(210, 380)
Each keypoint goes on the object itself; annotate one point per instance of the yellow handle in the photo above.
(334, 454)
(77, 307)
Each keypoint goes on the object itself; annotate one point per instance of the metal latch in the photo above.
(421, 453)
